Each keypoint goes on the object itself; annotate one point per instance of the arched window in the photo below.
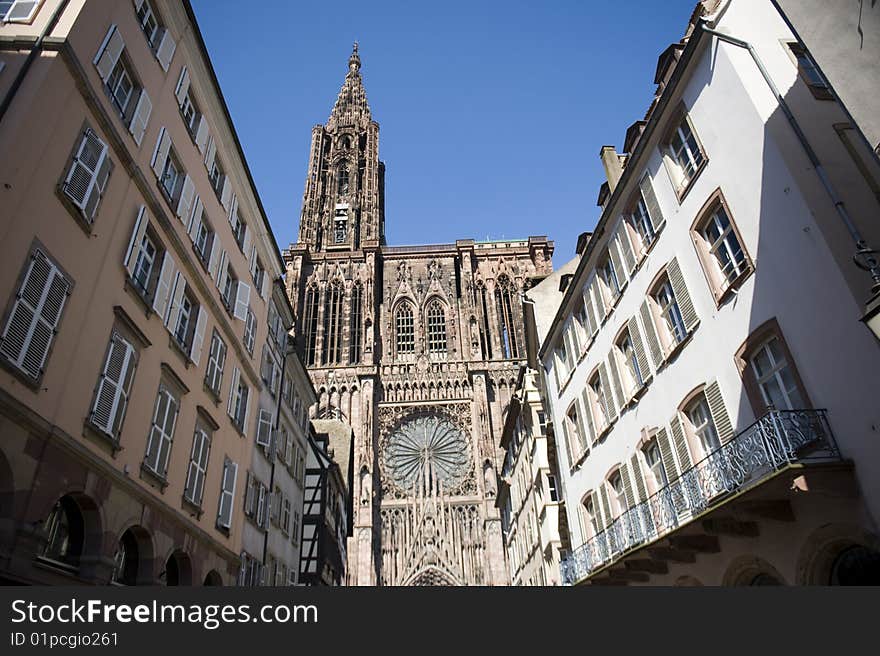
(342, 177)
(436, 327)
(485, 342)
(356, 330)
(405, 329)
(506, 326)
(125, 562)
(332, 351)
(65, 532)
(310, 323)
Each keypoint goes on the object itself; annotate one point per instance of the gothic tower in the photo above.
(417, 348)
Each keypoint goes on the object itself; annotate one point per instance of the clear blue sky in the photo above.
(491, 114)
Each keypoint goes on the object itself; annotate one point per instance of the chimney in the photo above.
(613, 167)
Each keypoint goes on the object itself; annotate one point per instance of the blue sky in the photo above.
(491, 114)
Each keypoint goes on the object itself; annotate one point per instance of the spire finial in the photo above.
(354, 62)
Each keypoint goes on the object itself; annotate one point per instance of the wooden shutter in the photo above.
(167, 277)
(264, 428)
(202, 135)
(651, 203)
(226, 194)
(597, 512)
(615, 380)
(666, 454)
(242, 300)
(635, 336)
(163, 145)
(592, 325)
(30, 329)
(223, 271)
(109, 53)
(165, 51)
(233, 390)
(599, 301)
(210, 154)
(568, 446)
(590, 436)
(87, 176)
(182, 86)
(178, 291)
(638, 478)
(137, 236)
(651, 334)
(227, 493)
(22, 11)
(187, 195)
(625, 245)
(627, 486)
(232, 207)
(606, 506)
(682, 297)
(111, 395)
(610, 407)
(214, 259)
(617, 263)
(681, 446)
(195, 352)
(138, 125)
(719, 412)
(195, 218)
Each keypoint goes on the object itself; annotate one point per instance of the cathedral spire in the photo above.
(351, 106)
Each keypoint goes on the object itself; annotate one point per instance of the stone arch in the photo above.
(822, 548)
(432, 576)
(749, 570)
(178, 569)
(213, 578)
(134, 557)
(84, 527)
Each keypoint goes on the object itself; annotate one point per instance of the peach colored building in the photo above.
(136, 282)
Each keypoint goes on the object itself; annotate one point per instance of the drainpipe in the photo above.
(864, 257)
(32, 55)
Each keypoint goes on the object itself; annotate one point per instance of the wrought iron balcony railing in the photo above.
(777, 439)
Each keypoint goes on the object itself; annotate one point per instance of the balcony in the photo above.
(778, 439)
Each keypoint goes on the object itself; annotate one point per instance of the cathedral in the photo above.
(417, 348)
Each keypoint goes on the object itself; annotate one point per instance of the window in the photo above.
(504, 307)
(485, 340)
(436, 327)
(343, 179)
(591, 527)
(551, 486)
(294, 529)
(87, 176)
(632, 372)
(114, 385)
(608, 275)
(670, 312)
(189, 109)
(121, 84)
(340, 225)
(769, 371)
(250, 331)
(357, 293)
(177, 187)
(198, 466)
(162, 432)
(32, 321)
(719, 247)
(333, 323)
(310, 324)
(203, 237)
(171, 176)
(65, 532)
(158, 38)
(702, 425)
(217, 178)
(616, 483)
(405, 329)
(285, 516)
(216, 361)
(239, 230)
(18, 11)
(809, 72)
(237, 408)
(264, 429)
(655, 463)
(184, 326)
(230, 283)
(258, 274)
(598, 403)
(227, 494)
(644, 216)
(575, 439)
(684, 157)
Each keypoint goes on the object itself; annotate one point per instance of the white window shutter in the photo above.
(622, 273)
(84, 182)
(227, 494)
(109, 53)
(214, 259)
(30, 329)
(653, 207)
(184, 205)
(247, 409)
(233, 206)
(163, 145)
(195, 352)
(195, 218)
(615, 381)
(211, 154)
(22, 11)
(202, 134)
(263, 284)
(167, 276)
(626, 249)
(635, 336)
(682, 297)
(165, 51)
(182, 86)
(138, 126)
(110, 398)
(242, 300)
(233, 391)
(222, 271)
(651, 335)
(226, 194)
(137, 235)
(264, 428)
(249, 249)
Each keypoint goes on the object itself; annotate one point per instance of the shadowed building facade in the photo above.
(418, 348)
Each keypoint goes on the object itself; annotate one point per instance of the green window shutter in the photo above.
(681, 447)
(719, 413)
(682, 297)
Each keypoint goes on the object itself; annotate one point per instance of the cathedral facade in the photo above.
(418, 349)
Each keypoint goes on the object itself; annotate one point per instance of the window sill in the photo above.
(730, 291)
(92, 431)
(224, 530)
(84, 224)
(139, 296)
(33, 383)
(194, 509)
(682, 191)
(579, 461)
(675, 351)
(213, 394)
(179, 348)
(201, 259)
(153, 478)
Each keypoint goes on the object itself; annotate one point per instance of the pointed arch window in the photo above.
(342, 177)
(506, 327)
(436, 317)
(332, 347)
(310, 323)
(485, 342)
(356, 322)
(405, 336)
